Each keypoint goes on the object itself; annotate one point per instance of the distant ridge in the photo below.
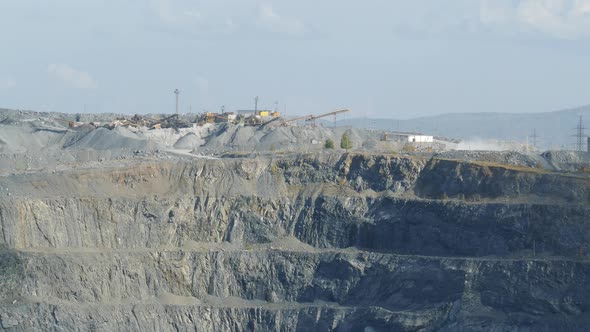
(554, 129)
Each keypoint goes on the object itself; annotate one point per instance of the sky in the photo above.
(379, 58)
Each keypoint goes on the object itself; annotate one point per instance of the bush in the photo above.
(345, 142)
(409, 148)
(274, 169)
(329, 144)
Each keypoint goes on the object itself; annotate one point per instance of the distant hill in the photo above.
(555, 129)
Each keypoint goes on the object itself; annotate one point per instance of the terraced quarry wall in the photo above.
(295, 243)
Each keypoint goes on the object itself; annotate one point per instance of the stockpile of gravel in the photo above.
(568, 160)
(189, 141)
(500, 157)
(105, 139)
(291, 138)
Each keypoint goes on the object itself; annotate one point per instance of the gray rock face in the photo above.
(374, 243)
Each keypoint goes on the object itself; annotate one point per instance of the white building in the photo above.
(420, 139)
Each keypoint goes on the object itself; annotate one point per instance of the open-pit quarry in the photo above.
(142, 236)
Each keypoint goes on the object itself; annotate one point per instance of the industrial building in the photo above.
(420, 139)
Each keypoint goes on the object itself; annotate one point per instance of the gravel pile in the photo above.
(500, 157)
(567, 160)
(293, 138)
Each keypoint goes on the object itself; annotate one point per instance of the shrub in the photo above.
(409, 148)
(329, 144)
(274, 169)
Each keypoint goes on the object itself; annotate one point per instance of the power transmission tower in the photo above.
(580, 135)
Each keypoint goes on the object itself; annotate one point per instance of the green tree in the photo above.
(329, 144)
(345, 142)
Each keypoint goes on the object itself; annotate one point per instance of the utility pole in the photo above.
(580, 135)
(177, 92)
(256, 104)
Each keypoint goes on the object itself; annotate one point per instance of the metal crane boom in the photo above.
(298, 118)
(269, 121)
(313, 118)
(328, 114)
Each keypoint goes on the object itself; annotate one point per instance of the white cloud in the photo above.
(520, 19)
(277, 23)
(560, 19)
(76, 78)
(229, 17)
(164, 10)
(7, 83)
(546, 16)
(267, 13)
(582, 7)
(213, 19)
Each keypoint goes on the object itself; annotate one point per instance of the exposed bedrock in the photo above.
(347, 243)
(320, 219)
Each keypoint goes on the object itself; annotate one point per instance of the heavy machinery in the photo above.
(219, 118)
(165, 122)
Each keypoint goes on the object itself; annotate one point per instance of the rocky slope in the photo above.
(312, 242)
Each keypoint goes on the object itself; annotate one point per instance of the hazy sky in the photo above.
(385, 58)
